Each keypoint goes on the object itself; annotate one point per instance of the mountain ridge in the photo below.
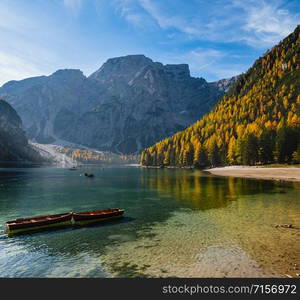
(129, 103)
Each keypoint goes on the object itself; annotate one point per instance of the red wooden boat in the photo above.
(97, 215)
(39, 222)
(61, 220)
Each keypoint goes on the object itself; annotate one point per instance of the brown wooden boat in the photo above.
(97, 215)
(68, 219)
(39, 222)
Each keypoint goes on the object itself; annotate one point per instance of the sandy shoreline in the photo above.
(286, 174)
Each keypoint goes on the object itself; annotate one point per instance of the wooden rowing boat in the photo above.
(61, 220)
(38, 222)
(83, 218)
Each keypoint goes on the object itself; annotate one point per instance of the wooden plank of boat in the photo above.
(86, 217)
(38, 223)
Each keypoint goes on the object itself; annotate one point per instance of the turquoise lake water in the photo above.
(178, 223)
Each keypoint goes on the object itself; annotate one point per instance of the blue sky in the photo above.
(218, 39)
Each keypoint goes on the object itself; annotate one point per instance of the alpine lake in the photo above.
(177, 223)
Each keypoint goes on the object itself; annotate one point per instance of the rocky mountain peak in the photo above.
(131, 67)
(178, 72)
(224, 85)
(125, 67)
(67, 74)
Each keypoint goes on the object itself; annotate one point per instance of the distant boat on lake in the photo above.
(88, 175)
(73, 169)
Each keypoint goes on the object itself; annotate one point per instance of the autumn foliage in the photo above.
(256, 122)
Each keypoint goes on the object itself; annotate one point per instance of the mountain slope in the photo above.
(13, 142)
(257, 121)
(40, 100)
(130, 103)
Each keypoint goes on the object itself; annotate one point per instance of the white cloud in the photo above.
(201, 59)
(131, 12)
(73, 5)
(257, 23)
(35, 41)
(266, 23)
(168, 20)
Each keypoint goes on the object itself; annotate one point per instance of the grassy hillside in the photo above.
(256, 122)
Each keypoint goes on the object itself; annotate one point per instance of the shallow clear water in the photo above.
(179, 223)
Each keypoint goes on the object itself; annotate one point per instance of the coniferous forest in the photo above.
(256, 122)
